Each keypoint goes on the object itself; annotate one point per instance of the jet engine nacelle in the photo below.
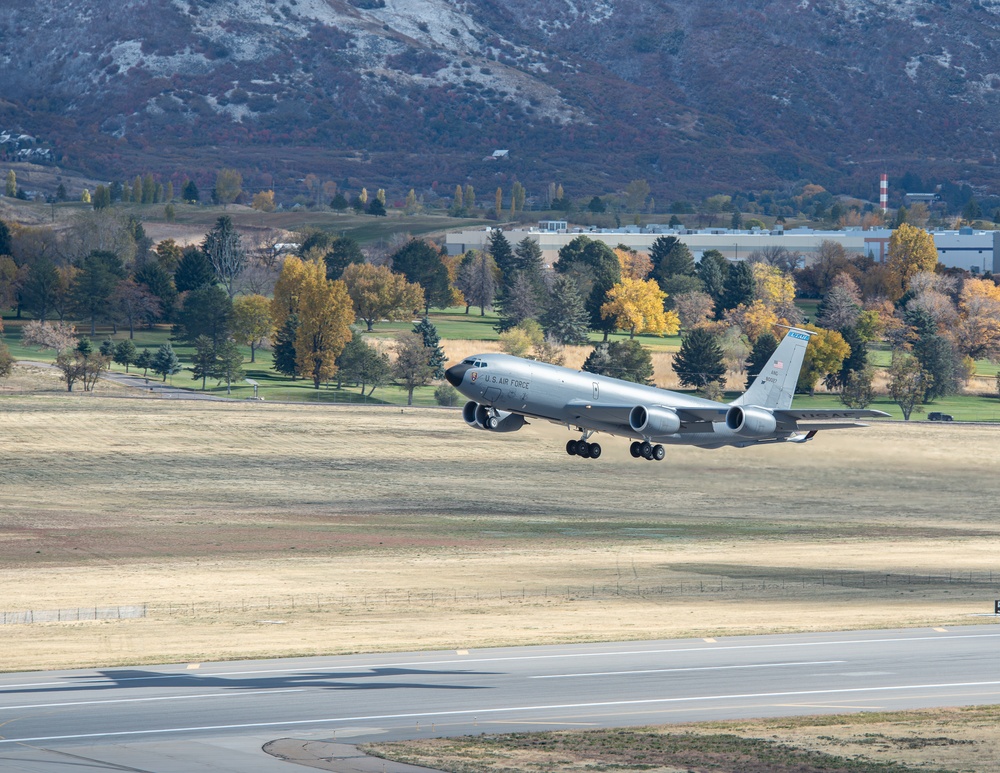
(653, 422)
(751, 421)
(479, 417)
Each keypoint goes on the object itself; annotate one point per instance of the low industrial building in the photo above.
(966, 248)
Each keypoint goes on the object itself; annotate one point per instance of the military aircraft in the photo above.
(503, 391)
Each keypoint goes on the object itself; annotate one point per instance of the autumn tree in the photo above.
(286, 290)
(908, 382)
(132, 303)
(263, 201)
(325, 316)
(636, 193)
(228, 186)
(911, 250)
(753, 319)
(478, 280)
(979, 319)
(825, 354)
(776, 290)
(252, 322)
(699, 361)
(634, 265)
(693, 309)
(412, 368)
(378, 293)
(637, 306)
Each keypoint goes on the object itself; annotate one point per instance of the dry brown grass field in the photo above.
(387, 528)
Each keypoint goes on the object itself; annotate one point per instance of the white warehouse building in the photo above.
(976, 251)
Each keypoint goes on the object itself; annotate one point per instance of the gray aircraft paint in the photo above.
(503, 389)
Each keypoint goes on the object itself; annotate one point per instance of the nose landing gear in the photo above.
(647, 451)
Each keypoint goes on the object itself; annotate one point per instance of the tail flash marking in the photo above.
(774, 386)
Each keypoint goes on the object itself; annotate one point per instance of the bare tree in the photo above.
(224, 250)
(133, 304)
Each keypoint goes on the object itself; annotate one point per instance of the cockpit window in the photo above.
(468, 362)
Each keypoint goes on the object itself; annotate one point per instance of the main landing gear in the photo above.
(583, 448)
(647, 450)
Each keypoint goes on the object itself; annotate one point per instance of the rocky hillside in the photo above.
(695, 97)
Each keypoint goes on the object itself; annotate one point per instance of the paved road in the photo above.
(166, 718)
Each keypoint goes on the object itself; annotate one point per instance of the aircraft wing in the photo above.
(609, 413)
(603, 413)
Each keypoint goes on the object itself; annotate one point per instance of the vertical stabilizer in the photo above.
(774, 386)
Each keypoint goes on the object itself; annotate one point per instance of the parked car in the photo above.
(938, 416)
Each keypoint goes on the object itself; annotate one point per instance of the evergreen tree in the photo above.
(499, 249)
(699, 361)
(739, 287)
(341, 252)
(421, 264)
(712, 270)
(376, 208)
(204, 359)
(284, 348)
(857, 360)
(125, 353)
(518, 304)
(670, 256)
(627, 360)
(528, 261)
(92, 287)
(228, 363)
(143, 360)
(206, 311)
(432, 341)
(165, 361)
(597, 268)
(5, 244)
(107, 348)
(565, 318)
(193, 271)
(190, 192)
(760, 355)
(157, 280)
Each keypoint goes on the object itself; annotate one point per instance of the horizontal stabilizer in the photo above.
(809, 427)
(829, 414)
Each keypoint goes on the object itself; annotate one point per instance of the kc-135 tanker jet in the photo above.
(505, 390)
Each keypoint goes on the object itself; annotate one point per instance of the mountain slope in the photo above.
(696, 97)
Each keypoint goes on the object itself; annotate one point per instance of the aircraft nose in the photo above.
(456, 373)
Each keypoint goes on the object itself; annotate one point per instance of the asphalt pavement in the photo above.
(217, 716)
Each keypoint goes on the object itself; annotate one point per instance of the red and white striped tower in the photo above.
(883, 193)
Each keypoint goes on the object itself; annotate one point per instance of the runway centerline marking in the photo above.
(505, 710)
(146, 700)
(506, 659)
(693, 668)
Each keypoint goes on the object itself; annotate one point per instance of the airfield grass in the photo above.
(953, 739)
(259, 529)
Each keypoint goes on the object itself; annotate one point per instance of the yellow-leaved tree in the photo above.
(753, 319)
(776, 290)
(634, 265)
(252, 321)
(911, 250)
(325, 317)
(286, 290)
(979, 319)
(826, 354)
(637, 306)
(377, 293)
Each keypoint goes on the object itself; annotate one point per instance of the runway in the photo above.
(215, 716)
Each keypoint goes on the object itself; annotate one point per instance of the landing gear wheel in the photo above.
(583, 449)
(635, 449)
(659, 452)
(492, 422)
(646, 450)
(595, 450)
(571, 447)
